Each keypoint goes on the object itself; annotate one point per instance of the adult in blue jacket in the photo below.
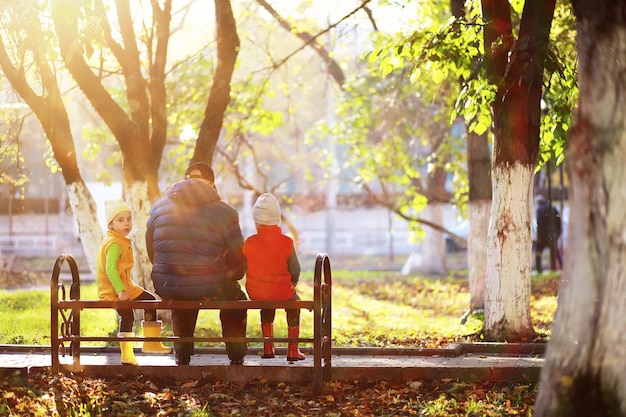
(195, 245)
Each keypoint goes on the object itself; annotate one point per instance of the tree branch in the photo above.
(219, 97)
(49, 110)
(334, 69)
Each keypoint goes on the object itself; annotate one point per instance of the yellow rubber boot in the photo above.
(153, 329)
(128, 355)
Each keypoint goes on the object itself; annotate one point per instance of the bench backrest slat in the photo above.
(177, 304)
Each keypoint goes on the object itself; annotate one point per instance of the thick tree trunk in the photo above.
(516, 120)
(507, 296)
(140, 130)
(585, 370)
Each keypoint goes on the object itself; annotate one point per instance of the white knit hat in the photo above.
(114, 207)
(266, 210)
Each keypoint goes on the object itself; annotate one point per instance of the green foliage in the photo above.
(247, 114)
(101, 145)
(560, 87)
(394, 134)
(12, 171)
(454, 50)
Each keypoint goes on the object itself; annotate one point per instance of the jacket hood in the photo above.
(192, 192)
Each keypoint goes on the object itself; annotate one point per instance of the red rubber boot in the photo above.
(268, 347)
(293, 352)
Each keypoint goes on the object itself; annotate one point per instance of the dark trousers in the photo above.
(293, 315)
(234, 323)
(127, 317)
(551, 244)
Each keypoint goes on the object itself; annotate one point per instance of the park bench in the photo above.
(66, 306)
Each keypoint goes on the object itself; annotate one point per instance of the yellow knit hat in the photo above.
(114, 207)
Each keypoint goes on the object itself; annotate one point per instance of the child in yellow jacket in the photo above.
(114, 264)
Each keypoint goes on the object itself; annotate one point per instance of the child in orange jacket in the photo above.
(114, 264)
(273, 270)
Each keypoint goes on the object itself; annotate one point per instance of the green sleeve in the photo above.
(113, 255)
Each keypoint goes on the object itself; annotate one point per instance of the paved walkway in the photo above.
(466, 362)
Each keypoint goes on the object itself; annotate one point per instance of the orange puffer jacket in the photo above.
(273, 268)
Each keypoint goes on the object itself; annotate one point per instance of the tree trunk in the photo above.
(585, 369)
(479, 208)
(507, 290)
(479, 213)
(479, 204)
(433, 259)
(219, 97)
(84, 210)
(139, 125)
(131, 129)
(137, 197)
(433, 256)
(52, 114)
(518, 74)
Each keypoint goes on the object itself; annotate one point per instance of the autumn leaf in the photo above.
(189, 384)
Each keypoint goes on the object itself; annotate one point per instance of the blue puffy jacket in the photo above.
(195, 244)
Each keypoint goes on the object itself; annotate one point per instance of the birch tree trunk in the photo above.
(585, 370)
